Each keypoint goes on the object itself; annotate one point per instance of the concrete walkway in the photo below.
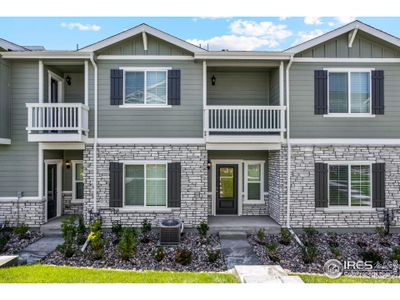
(39, 249)
(249, 224)
(264, 274)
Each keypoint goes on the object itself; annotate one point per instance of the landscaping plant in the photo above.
(21, 230)
(81, 231)
(202, 229)
(3, 241)
(261, 235)
(146, 229)
(336, 252)
(310, 254)
(311, 233)
(126, 247)
(117, 229)
(286, 237)
(96, 240)
(372, 255)
(183, 256)
(213, 255)
(332, 240)
(68, 233)
(158, 254)
(272, 252)
(395, 254)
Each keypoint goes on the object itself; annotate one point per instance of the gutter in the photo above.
(95, 132)
(289, 146)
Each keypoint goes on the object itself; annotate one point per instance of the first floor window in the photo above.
(146, 185)
(349, 92)
(145, 87)
(350, 185)
(78, 180)
(254, 181)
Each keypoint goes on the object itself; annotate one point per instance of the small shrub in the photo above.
(183, 256)
(271, 248)
(21, 230)
(372, 255)
(68, 233)
(395, 254)
(310, 254)
(126, 247)
(261, 234)
(381, 231)
(311, 232)
(146, 229)
(332, 240)
(96, 225)
(3, 241)
(158, 254)
(96, 244)
(117, 229)
(81, 231)
(286, 237)
(336, 252)
(202, 229)
(213, 255)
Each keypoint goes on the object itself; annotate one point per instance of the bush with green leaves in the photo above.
(69, 232)
(261, 234)
(381, 231)
(271, 247)
(158, 254)
(310, 254)
(183, 256)
(96, 240)
(21, 230)
(117, 229)
(146, 229)
(213, 255)
(81, 231)
(333, 240)
(202, 229)
(336, 252)
(311, 233)
(286, 237)
(3, 241)
(372, 255)
(126, 247)
(395, 255)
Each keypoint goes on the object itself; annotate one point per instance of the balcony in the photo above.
(57, 122)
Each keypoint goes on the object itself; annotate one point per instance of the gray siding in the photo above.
(274, 84)
(19, 161)
(184, 120)
(5, 105)
(364, 45)
(134, 46)
(75, 93)
(238, 88)
(304, 124)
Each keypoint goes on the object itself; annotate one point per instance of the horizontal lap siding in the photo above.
(183, 120)
(4, 100)
(19, 161)
(304, 124)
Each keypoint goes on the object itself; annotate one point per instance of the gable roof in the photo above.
(342, 30)
(137, 30)
(9, 46)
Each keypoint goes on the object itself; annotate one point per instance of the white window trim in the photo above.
(74, 181)
(60, 81)
(246, 181)
(144, 207)
(348, 206)
(349, 114)
(145, 70)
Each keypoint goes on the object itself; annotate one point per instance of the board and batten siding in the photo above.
(185, 120)
(5, 105)
(19, 161)
(305, 124)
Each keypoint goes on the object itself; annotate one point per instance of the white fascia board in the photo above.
(145, 57)
(138, 30)
(344, 60)
(242, 56)
(63, 146)
(5, 141)
(342, 30)
(45, 55)
(345, 141)
(149, 141)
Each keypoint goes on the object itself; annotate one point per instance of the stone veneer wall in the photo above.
(303, 211)
(70, 207)
(193, 160)
(30, 212)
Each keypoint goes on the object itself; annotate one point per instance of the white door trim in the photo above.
(59, 163)
(237, 162)
(60, 92)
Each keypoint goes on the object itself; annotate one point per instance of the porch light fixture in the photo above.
(213, 80)
(209, 165)
(68, 164)
(68, 80)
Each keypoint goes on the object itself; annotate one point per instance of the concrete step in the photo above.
(233, 235)
(8, 261)
(264, 274)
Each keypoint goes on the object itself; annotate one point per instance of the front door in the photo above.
(227, 189)
(54, 91)
(51, 191)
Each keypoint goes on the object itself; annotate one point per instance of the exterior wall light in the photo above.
(68, 164)
(213, 80)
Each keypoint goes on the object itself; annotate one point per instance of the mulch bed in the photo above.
(143, 260)
(17, 243)
(350, 246)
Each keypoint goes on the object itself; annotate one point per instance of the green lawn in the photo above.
(345, 279)
(53, 274)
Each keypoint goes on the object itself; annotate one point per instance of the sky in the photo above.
(236, 33)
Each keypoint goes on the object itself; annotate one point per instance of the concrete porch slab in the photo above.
(249, 224)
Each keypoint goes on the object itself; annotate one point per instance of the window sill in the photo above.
(254, 202)
(331, 210)
(77, 201)
(145, 210)
(349, 116)
(145, 106)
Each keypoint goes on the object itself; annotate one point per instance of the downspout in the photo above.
(289, 147)
(95, 134)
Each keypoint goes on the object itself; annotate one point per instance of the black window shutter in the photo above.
(116, 84)
(378, 95)
(320, 92)
(378, 185)
(321, 185)
(174, 87)
(174, 184)
(116, 181)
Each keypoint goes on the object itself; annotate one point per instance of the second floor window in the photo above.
(349, 92)
(145, 87)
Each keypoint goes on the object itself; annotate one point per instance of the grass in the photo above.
(345, 279)
(54, 274)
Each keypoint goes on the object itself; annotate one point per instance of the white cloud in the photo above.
(81, 27)
(283, 18)
(312, 20)
(264, 29)
(331, 23)
(345, 20)
(303, 36)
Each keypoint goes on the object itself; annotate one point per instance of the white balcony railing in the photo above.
(58, 118)
(240, 119)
